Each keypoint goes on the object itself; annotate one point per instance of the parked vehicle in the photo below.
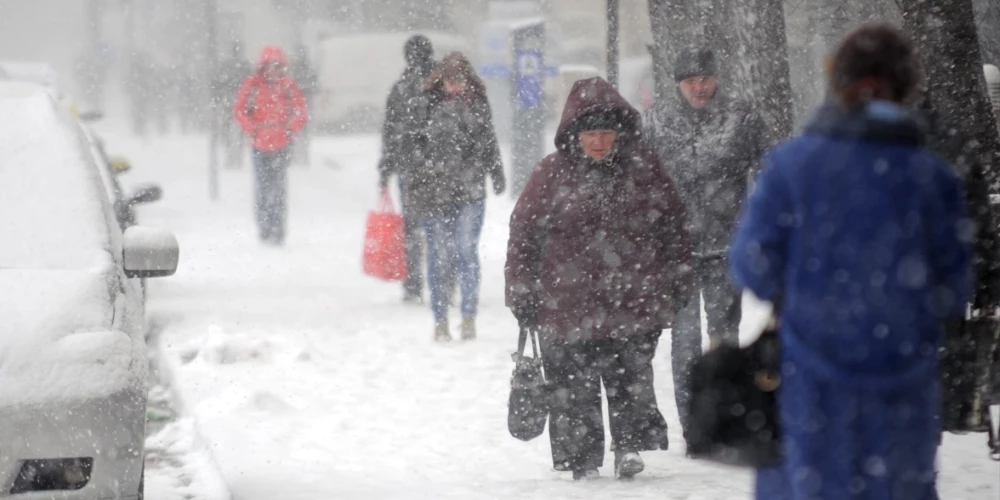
(72, 347)
(351, 90)
(110, 168)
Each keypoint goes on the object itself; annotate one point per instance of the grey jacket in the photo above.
(713, 155)
(461, 150)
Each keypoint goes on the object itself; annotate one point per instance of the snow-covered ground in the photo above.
(308, 380)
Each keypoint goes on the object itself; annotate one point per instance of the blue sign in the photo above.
(529, 79)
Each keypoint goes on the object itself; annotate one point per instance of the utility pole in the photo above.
(614, 13)
(211, 63)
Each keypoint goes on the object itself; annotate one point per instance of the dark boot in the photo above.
(586, 475)
(628, 464)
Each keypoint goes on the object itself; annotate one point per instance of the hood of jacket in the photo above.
(877, 121)
(596, 95)
(272, 55)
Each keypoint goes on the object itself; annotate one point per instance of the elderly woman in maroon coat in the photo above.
(597, 259)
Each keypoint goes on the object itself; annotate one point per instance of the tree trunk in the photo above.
(766, 44)
(988, 21)
(674, 25)
(964, 132)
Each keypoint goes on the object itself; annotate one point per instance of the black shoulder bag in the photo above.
(734, 412)
(528, 406)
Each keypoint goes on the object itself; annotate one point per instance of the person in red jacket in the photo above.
(271, 109)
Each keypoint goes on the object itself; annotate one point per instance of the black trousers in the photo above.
(575, 370)
(413, 241)
(722, 310)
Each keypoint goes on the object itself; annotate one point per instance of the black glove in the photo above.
(527, 315)
(499, 184)
(383, 180)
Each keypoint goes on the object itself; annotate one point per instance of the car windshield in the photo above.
(49, 192)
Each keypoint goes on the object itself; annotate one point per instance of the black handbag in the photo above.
(734, 411)
(528, 406)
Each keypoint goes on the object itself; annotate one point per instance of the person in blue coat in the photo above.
(859, 234)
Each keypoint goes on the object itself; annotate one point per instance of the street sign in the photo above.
(529, 82)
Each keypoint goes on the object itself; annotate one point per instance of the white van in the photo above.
(357, 71)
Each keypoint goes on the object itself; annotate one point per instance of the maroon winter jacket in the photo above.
(599, 246)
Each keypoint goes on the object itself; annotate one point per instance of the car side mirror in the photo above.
(146, 193)
(149, 252)
(119, 164)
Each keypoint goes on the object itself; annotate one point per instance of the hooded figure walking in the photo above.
(271, 110)
(597, 262)
(711, 144)
(404, 143)
(860, 233)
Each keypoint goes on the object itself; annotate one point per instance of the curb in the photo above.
(167, 376)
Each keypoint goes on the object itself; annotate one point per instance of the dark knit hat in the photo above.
(419, 51)
(695, 61)
(600, 120)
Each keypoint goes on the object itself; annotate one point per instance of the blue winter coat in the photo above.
(861, 235)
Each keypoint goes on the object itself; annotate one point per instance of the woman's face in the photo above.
(597, 144)
(454, 87)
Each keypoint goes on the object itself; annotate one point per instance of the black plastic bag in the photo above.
(528, 406)
(734, 412)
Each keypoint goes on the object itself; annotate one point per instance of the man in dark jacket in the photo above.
(596, 262)
(711, 145)
(402, 144)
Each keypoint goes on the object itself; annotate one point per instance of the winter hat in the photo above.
(599, 120)
(695, 61)
(419, 51)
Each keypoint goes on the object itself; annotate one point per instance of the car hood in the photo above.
(58, 339)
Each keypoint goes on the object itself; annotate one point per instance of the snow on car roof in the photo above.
(58, 339)
(55, 212)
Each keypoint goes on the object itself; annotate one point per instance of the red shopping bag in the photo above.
(384, 255)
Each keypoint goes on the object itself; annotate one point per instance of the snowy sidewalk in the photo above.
(310, 380)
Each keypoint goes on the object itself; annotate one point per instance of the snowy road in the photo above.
(308, 380)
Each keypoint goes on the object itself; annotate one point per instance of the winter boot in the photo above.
(469, 328)
(628, 464)
(441, 333)
(411, 297)
(586, 474)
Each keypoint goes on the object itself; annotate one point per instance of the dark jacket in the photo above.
(600, 247)
(461, 149)
(863, 235)
(713, 156)
(403, 139)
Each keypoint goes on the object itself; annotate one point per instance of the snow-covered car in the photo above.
(39, 73)
(72, 348)
(109, 168)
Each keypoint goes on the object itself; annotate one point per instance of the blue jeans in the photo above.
(453, 251)
(270, 197)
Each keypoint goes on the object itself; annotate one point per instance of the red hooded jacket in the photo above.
(270, 112)
(599, 247)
